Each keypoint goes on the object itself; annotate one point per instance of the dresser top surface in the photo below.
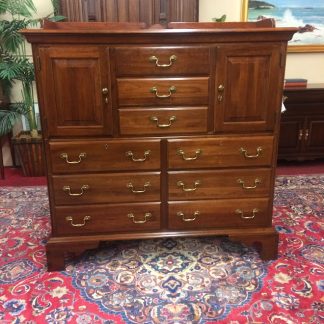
(231, 29)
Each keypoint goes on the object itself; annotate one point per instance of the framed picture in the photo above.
(308, 15)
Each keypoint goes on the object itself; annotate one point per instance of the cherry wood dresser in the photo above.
(152, 132)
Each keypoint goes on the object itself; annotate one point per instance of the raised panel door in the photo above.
(76, 91)
(314, 134)
(248, 87)
(291, 135)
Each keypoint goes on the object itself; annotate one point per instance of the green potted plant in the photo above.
(16, 69)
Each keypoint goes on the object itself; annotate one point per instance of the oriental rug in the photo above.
(178, 281)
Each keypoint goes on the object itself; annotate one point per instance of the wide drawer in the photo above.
(243, 183)
(209, 214)
(104, 155)
(162, 92)
(106, 188)
(93, 219)
(163, 121)
(162, 61)
(234, 151)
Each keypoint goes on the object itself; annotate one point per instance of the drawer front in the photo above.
(94, 219)
(220, 152)
(106, 188)
(101, 155)
(163, 121)
(219, 213)
(162, 92)
(162, 61)
(243, 183)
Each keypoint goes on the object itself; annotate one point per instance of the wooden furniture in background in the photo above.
(302, 124)
(4, 103)
(148, 11)
(153, 133)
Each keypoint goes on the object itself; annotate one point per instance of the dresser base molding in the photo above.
(264, 240)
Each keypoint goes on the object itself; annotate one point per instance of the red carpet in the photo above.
(303, 167)
(183, 281)
(14, 177)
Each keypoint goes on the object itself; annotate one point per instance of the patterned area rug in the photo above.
(196, 280)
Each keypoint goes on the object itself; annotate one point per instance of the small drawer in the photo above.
(104, 155)
(243, 183)
(231, 213)
(106, 188)
(162, 61)
(163, 121)
(162, 92)
(94, 219)
(220, 152)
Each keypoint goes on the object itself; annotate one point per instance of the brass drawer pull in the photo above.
(65, 157)
(242, 182)
(147, 216)
(220, 91)
(172, 90)
(196, 184)
(105, 94)
(156, 120)
(306, 134)
(70, 219)
(300, 135)
(131, 155)
(155, 60)
(241, 212)
(248, 156)
(182, 215)
(182, 153)
(131, 187)
(68, 190)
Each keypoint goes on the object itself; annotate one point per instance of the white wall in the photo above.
(299, 65)
(304, 65)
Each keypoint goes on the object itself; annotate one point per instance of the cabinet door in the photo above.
(291, 135)
(314, 135)
(248, 87)
(73, 81)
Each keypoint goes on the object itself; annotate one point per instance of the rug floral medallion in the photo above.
(178, 280)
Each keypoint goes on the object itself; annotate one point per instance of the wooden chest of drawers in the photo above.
(160, 132)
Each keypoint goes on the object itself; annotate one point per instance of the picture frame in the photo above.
(291, 11)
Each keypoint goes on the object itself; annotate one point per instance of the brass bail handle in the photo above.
(156, 120)
(65, 157)
(189, 158)
(242, 182)
(172, 90)
(251, 156)
(185, 219)
(147, 216)
(154, 59)
(67, 189)
(130, 154)
(241, 212)
(137, 191)
(195, 187)
(70, 219)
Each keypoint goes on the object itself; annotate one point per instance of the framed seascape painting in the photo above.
(307, 15)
